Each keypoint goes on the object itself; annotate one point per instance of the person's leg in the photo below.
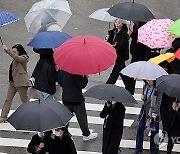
(130, 84)
(23, 93)
(140, 134)
(170, 145)
(154, 139)
(7, 104)
(80, 112)
(47, 96)
(119, 65)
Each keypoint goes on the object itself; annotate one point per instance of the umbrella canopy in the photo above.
(110, 92)
(166, 56)
(40, 116)
(103, 15)
(169, 84)
(177, 54)
(85, 55)
(143, 70)
(7, 18)
(45, 12)
(49, 39)
(174, 28)
(154, 33)
(131, 11)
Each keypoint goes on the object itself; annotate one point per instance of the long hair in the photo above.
(20, 49)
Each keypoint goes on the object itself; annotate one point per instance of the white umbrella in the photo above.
(45, 12)
(103, 15)
(144, 70)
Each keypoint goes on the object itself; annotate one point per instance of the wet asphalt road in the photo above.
(78, 24)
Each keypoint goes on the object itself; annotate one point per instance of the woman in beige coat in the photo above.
(18, 78)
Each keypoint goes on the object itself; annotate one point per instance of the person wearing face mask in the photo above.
(40, 143)
(62, 142)
(119, 39)
(113, 115)
(18, 78)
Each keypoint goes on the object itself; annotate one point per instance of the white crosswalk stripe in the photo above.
(76, 132)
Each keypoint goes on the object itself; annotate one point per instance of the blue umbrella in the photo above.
(7, 18)
(49, 39)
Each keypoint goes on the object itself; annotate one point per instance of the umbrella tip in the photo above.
(84, 41)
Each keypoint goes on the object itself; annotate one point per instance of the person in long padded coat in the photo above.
(45, 75)
(113, 126)
(40, 143)
(62, 142)
(18, 77)
(119, 39)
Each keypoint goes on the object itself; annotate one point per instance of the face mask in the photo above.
(57, 134)
(40, 134)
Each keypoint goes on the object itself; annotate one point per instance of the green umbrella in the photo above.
(174, 28)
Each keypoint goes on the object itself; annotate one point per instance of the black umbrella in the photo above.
(110, 92)
(40, 116)
(169, 84)
(131, 11)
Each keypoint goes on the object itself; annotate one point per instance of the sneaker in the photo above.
(3, 120)
(90, 137)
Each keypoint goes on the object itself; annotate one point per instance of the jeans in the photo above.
(140, 136)
(47, 96)
(119, 151)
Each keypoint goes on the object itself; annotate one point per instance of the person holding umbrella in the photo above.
(113, 115)
(18, 77)
(148, 117)
(119, 39)
(73, 99)
(169, 111)
(45, 74)
(175, 64)
(40, 143)
(137, 50)
(62, 142)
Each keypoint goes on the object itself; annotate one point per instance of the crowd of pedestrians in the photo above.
(156, 105)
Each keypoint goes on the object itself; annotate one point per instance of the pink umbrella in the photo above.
(85, 55)
(154, 33)
(177, 54)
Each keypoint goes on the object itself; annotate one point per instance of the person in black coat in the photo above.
(170, 120)
(138, 52)
(62, 142)
(114, 115)
(73, 99)
(40, 143)
(119, 39)
(175, 64)
(45, 75)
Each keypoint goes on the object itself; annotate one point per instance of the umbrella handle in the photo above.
(1, 40)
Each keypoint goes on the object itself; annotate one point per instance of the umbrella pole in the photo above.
(109, 26)
(1, 40)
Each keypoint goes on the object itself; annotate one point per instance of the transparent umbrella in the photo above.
(45, 12)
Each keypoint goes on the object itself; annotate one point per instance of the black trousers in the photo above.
(119, 65)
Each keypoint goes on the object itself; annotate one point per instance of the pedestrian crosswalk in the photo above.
(18, 141)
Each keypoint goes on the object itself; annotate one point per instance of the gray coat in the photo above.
(152, 104)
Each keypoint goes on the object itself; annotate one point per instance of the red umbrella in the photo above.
(177, 54)
(85, 55)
